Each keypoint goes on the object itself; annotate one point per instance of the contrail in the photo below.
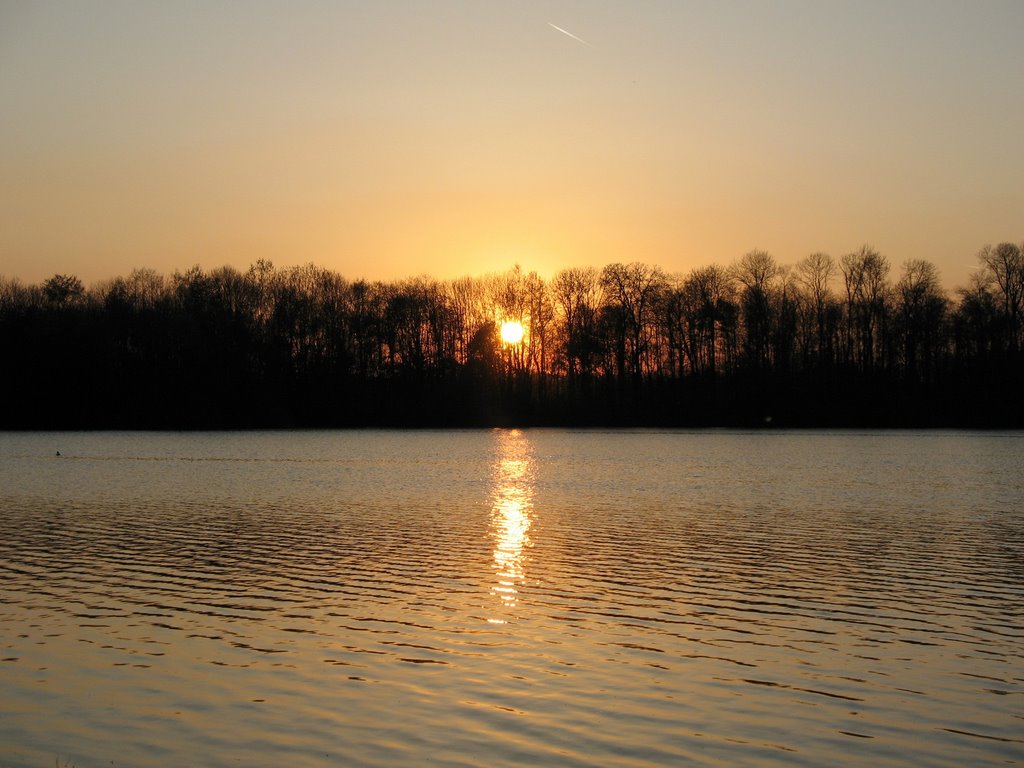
(570, 34)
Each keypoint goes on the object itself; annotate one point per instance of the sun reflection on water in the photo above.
(512, 497)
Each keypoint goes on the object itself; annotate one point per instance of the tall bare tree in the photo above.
(1004, 263)
(756, 273)
(632, 290)
(921, 311)
(577, 296)
(815, 274)
(865, 275)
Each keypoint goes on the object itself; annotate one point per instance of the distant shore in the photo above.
(830, 343)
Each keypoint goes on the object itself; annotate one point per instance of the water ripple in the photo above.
(567, 598)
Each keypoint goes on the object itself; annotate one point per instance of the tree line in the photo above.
(846, 341)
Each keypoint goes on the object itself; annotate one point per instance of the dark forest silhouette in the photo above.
(827, 342)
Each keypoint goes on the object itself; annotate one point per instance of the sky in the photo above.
(385, 140)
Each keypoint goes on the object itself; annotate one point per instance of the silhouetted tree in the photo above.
(865, 274)
(632, 290)
(577, 295)
(303, 346)
(1003, 265)
(921, 311)
(755, 273)
(819, 309)
(976, 320)
(61, 289)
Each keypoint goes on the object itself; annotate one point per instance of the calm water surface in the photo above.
(509, 597)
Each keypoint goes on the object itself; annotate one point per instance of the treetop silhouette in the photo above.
(826, 342)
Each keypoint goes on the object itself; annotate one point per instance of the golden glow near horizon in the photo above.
(381, 140)
(512, 480)
(512, 332)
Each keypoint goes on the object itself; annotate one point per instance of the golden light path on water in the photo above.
(512, 497)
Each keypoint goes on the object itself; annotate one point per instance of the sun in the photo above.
(511, 332)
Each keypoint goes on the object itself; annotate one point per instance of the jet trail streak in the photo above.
(570, 34)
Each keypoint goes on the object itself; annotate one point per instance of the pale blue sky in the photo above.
(385, 140)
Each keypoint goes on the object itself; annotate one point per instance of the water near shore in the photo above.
(504, 597)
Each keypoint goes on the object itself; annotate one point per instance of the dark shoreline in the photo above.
(629, 346)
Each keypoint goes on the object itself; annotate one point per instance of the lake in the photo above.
(553, 597)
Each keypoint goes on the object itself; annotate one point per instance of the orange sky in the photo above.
(391, 139)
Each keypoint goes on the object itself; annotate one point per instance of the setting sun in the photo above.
(511, 332)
